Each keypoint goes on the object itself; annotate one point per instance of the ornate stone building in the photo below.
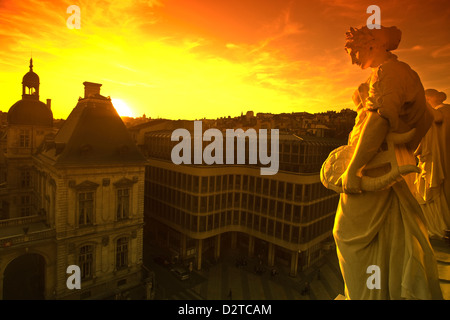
(71, 198)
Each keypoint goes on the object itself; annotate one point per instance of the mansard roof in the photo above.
(94, 134)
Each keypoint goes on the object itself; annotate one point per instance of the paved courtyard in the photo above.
(216, 281)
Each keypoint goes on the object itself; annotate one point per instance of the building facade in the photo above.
(74, 198)
(199, 210)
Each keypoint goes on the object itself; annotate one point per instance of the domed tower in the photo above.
(29, 119)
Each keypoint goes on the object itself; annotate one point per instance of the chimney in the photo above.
(49, 104)
(91, 88)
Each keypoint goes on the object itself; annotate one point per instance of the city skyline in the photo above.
(196, 59)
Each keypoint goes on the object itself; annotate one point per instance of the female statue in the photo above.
(383, 228)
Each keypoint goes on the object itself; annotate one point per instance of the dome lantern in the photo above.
(30, 84)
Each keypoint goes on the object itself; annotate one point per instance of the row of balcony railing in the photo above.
(21, 220)
(10, 241)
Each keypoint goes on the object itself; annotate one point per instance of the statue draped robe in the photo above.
(386, 228)
(433, 182)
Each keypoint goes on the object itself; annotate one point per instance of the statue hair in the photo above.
(386, 37)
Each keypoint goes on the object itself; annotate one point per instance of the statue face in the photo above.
(362, 57)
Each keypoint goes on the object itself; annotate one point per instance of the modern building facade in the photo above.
(71, 198)
(198, 210)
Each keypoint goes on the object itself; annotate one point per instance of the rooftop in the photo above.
(93, 134)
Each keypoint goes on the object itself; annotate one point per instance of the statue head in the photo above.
(434, 97)
(370, 47)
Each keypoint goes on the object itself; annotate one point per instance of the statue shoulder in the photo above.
(394, 67)
(396, 72)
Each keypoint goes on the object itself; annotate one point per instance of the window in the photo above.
(85, 261)
(256, 222)
(195, 204)
(258, 185)
(202, 224)
(230, 200)
(238, 182)
(224, 182)
(217, 202)
(216, 220)
(229, 214)
(194, 223)
(236, 217)
(85, 208)
(307, 192)
(212, 182)
(209, 222)
(249, 220)
(123, 203)
(196, 184)
(295, 231)
(25, 179)
(122, 253)
(210, 203)
(278, 230)
(218, 183)
(298, 192)
(237, 199)
(272, 205)
(281, 193)
(289, 188)
(243, 218)
(24, 138)
(204, 184)
(263, 224)
(252, 184)
(203, 203)
(265, 186)
(257, 204)
(273, 187)
(245, 182)
(25, 209)
(297, 213)
(264, 205)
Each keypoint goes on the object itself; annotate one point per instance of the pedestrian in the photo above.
(306, 289)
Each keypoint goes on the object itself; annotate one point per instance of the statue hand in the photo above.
(350, 182)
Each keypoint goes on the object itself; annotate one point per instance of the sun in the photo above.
(122, 108)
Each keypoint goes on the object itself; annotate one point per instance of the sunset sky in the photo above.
(190, 59)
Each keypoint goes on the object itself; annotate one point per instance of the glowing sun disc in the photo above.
(122, 108)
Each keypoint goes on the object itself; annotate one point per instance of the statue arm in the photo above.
(371, 137)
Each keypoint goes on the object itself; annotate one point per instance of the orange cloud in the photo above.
(202, 58)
